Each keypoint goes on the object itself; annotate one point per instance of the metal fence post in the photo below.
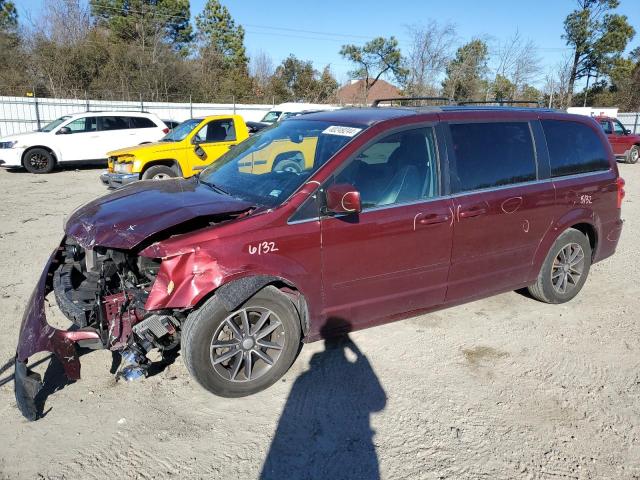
(141, 104)
(635, 123)
(234, 104)
(35, 101)
(190, 107)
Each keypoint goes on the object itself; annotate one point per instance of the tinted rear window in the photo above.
(113, 123)
(492, 154)
(141, 122)
(573, 148)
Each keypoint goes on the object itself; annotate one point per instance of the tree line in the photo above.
(151, 50)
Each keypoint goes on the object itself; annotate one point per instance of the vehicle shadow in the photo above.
(58, 169)
(53, 381)
(324, 430)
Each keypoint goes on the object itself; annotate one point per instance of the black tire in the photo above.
(546, 288)
(633, 154)
(159, 172)
(38, 160)
(203, 324)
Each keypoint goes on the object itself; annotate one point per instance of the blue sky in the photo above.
(316, 30)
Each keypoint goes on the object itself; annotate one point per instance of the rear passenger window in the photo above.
(113, 123)
(491, 155)
(141, 122)
(573, 148)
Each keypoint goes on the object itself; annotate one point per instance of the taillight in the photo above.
(165, 130)
(621, 192)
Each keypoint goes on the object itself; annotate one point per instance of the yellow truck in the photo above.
(183, 152)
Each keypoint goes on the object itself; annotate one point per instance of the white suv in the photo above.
(79, 138)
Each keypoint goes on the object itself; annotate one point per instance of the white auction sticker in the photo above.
(344, 131)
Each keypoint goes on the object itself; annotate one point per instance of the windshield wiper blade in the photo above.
(215, 187)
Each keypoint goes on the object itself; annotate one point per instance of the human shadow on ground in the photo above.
(324, 431)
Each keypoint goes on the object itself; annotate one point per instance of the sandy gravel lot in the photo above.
(501, 388)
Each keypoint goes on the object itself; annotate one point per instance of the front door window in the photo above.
(400, 168)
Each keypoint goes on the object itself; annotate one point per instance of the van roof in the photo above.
(371, 115)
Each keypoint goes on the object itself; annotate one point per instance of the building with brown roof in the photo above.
(354, 92)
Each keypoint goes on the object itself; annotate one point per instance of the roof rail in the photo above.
(446, 100)
(502, 103)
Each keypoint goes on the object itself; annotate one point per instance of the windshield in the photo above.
(268, 167)
(180, 132)
(271, 117)
(50, 126)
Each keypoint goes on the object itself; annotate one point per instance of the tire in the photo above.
(633, 155)
(159, 172)
(287, 166)
(38, 160)
(211, 321)
(548, 287)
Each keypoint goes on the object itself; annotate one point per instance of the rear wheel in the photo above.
(565, 269)
(38, 160)
(159, 172)
(633, 155)
(239, 353)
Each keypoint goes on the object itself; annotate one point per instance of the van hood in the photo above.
(156, 147)
(125, 218)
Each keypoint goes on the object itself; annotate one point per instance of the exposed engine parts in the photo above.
(105, 290)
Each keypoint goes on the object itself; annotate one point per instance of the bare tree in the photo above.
(261, 69)
(557, 84)
(430, 51)
(65, 21)
(518, 62)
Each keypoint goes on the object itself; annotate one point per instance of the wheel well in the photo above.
(167, 163)
(53, 154)
(236, 292)
(588, 230)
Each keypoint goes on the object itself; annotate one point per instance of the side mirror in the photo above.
(343, 198)
(627, 132)
(64, 131)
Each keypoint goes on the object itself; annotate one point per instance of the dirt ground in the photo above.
(505, 387)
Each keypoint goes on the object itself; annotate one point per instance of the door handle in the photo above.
(433, 219)
(473, 212)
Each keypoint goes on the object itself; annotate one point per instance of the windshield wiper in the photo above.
(215, 187)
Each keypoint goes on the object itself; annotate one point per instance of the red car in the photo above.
(400, 211)
(625, 144)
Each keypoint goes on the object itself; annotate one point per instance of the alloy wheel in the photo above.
(247, 344)
(38, 161)
(160, 176)
(567, 268)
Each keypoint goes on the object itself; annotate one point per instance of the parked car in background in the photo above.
(625, 144)
(171, 124)
(398, 211)
(183, 152)
(79, 138)
(285, 110)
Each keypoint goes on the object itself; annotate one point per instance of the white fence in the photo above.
(25, 114)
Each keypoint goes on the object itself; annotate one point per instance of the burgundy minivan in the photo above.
(389, 213)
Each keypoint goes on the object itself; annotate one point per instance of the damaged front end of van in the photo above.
(103, 275)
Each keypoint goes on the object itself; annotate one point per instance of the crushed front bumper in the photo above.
(118, 180)
(36, 335)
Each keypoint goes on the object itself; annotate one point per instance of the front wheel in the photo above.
(565, 269)
(633, 155)
(159, 172)
(239, 353)
(39, 160)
